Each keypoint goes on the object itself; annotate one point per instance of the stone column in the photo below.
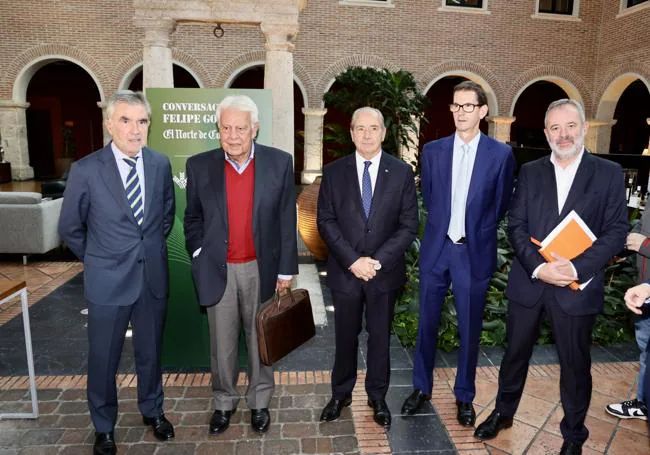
(313, 144)
(14, 138)
(499, 127)
(157, 68)
(105, 134)
(599, 135)
(278, 77)
(410, 153)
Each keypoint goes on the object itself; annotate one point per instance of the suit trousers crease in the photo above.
(452, 268)
(349, 310)
(107, 326)
(238, 307)
(572, 336)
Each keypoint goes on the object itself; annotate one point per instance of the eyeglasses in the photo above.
(467, 107)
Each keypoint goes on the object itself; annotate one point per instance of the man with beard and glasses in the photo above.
(547, 190)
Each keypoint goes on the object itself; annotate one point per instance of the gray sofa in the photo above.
(28, 224)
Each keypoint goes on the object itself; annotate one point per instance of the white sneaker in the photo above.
(630, 409)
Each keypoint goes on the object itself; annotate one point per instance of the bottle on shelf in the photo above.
(635, 199)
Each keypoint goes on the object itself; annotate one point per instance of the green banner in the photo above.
(183, 124)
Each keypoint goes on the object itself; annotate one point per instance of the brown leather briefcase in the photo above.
(284, 324)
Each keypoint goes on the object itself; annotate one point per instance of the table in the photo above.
(8, 291)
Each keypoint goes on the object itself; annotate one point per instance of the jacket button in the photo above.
(139, 261)
(225, 241)
(368, 231)
(142, 237)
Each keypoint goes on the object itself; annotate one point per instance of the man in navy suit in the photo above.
(548, 189)
(118, 207)
(368, 217)
(240, 229)
(466, 187)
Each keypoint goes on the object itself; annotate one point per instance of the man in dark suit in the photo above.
(240, 229)
(118, 207)
(548, 189)
(368, 217)
(466, 187)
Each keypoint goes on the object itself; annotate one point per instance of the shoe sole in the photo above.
(621, 416)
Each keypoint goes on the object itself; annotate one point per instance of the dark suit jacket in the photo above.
(598, 196)
(490, 190)
(385, 236)
(274, 220)
(97, 224)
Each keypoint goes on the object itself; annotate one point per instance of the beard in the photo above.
(571, 152)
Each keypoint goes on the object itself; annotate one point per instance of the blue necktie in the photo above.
(366, 189)
(133, 192)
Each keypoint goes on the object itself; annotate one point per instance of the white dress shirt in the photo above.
(373, 169)
(455, 172)
(125, 168)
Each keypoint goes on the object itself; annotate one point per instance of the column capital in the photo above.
(596, 123)
(500, 120)
(314, 111)
(157, 32)
(279, 37)
(11, 104)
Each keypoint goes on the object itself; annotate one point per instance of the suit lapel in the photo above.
(445, 172)
(580, 184)
(352, 178)
(150, 174)
(548, 190)
(383, 180)
(217, 182)
(479, 170)
(111, 176)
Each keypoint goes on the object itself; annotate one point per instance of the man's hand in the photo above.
(282, 285)
(634, 241)
(558, 273)
(634, 297)
(364, 268)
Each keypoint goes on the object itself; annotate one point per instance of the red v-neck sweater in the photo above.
(239, 198)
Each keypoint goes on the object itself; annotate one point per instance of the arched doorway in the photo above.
(182, 79)
(253, 77)
(529, 111)
(64, 122)
(630, 133)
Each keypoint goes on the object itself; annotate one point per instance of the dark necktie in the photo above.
(133, 191)
(366, 189)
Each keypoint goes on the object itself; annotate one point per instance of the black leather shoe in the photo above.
(381, 412)
(571, 448)
(332, 410)
(260, 420)
(414, 401)
(492, 425)
(104, 444)
(220, 421)
(466, 415)
(163, 429)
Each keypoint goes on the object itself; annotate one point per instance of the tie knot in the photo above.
(131, 161)
(465, 148)
(367, 164)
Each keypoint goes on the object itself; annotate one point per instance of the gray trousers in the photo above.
(238, 306)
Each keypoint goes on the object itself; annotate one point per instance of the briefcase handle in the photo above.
(277, 298)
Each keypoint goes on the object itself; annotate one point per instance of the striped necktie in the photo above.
(133, 191)
(366, 189)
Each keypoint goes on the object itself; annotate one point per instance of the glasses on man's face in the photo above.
(467, 107)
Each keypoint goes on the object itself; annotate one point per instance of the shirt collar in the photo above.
(120, 155)
(245, 163)
(361, 160)
(473, 144)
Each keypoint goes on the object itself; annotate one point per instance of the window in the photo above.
(555, 6)
(465, 3)
(384, 3)
(631, 6)
(465, 6)
(565, 10)
(631, 3)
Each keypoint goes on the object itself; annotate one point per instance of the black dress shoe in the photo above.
(414, 401)
(260, 420)
(492, 425)
(104, 444)
(571, 448)
(163, 429)
(466, 415)
(381, 412)
(332, 410)
(220, 421)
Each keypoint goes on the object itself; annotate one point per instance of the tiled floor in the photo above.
(64, 426)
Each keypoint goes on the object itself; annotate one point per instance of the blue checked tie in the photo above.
(133, 192)
(366, 189)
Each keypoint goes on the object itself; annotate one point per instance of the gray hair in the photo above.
(369, 110)
(128, 97)
(563, 102)
(241, 103)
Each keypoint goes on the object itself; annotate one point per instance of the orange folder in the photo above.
(570, 238)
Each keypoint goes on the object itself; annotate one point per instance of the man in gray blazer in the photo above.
(240, 229)
(118, 207)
